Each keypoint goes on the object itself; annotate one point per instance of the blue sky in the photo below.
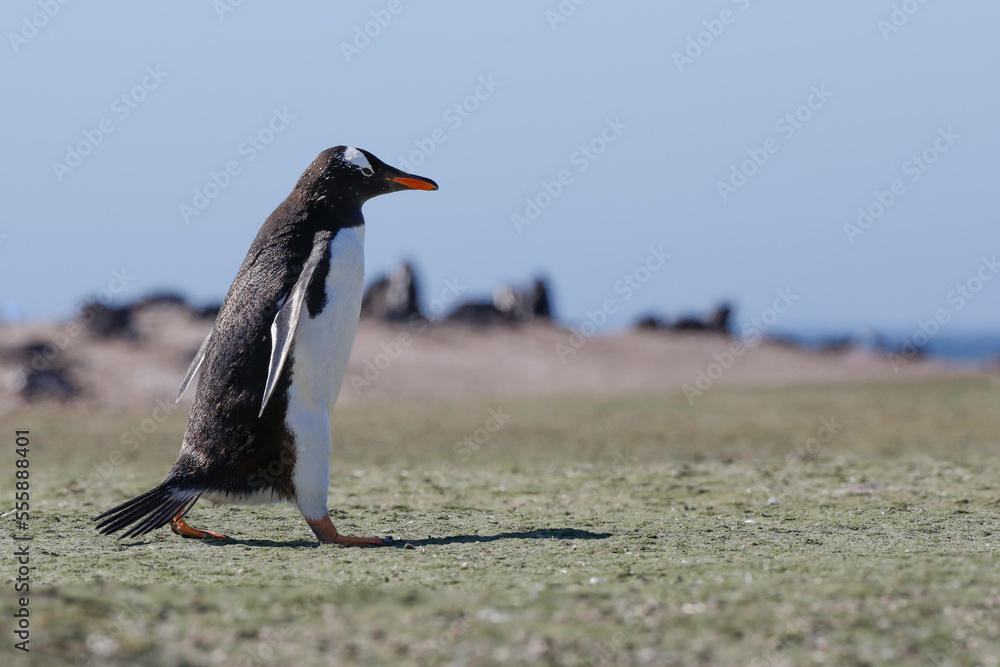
(613, 100)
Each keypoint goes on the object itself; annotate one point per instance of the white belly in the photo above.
(322, 348)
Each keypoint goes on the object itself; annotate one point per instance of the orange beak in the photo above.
(415, 182)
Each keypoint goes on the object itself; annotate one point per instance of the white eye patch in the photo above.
(358, 159)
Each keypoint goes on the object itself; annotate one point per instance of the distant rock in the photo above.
(837, 345)
(162, 299)
(37, 352)
(48, 384)
(650, 323)
(207, 312)
(479, 313)
(43, 373)
(169, 300)
(785, 341)
(103, 321)
(717, 322)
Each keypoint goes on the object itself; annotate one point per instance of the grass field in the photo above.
(847, 525)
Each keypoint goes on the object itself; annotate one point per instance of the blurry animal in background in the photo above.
(393, 298)
(45, 372)
(508, 306)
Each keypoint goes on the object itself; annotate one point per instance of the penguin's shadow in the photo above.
(539, 534)
(210, 542)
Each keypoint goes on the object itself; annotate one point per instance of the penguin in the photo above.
(274, 362)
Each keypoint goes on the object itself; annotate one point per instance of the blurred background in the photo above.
(725, 272)
(839, 153)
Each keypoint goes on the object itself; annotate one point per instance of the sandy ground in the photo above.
(446, 361)
(593, 531)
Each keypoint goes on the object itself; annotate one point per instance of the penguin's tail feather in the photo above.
(147, 512)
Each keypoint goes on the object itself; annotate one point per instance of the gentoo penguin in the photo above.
(273, 364)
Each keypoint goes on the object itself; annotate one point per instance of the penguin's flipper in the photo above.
(285, 323)
(195, 365)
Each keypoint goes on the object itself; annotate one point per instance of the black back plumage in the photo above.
(228, 449)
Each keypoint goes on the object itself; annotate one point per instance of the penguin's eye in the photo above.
(367, 171)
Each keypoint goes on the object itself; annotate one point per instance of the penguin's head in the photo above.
(347, 174)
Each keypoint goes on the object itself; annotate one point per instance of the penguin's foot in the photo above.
(180, 527)
(327, 533)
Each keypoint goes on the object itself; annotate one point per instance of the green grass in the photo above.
(587, 531)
